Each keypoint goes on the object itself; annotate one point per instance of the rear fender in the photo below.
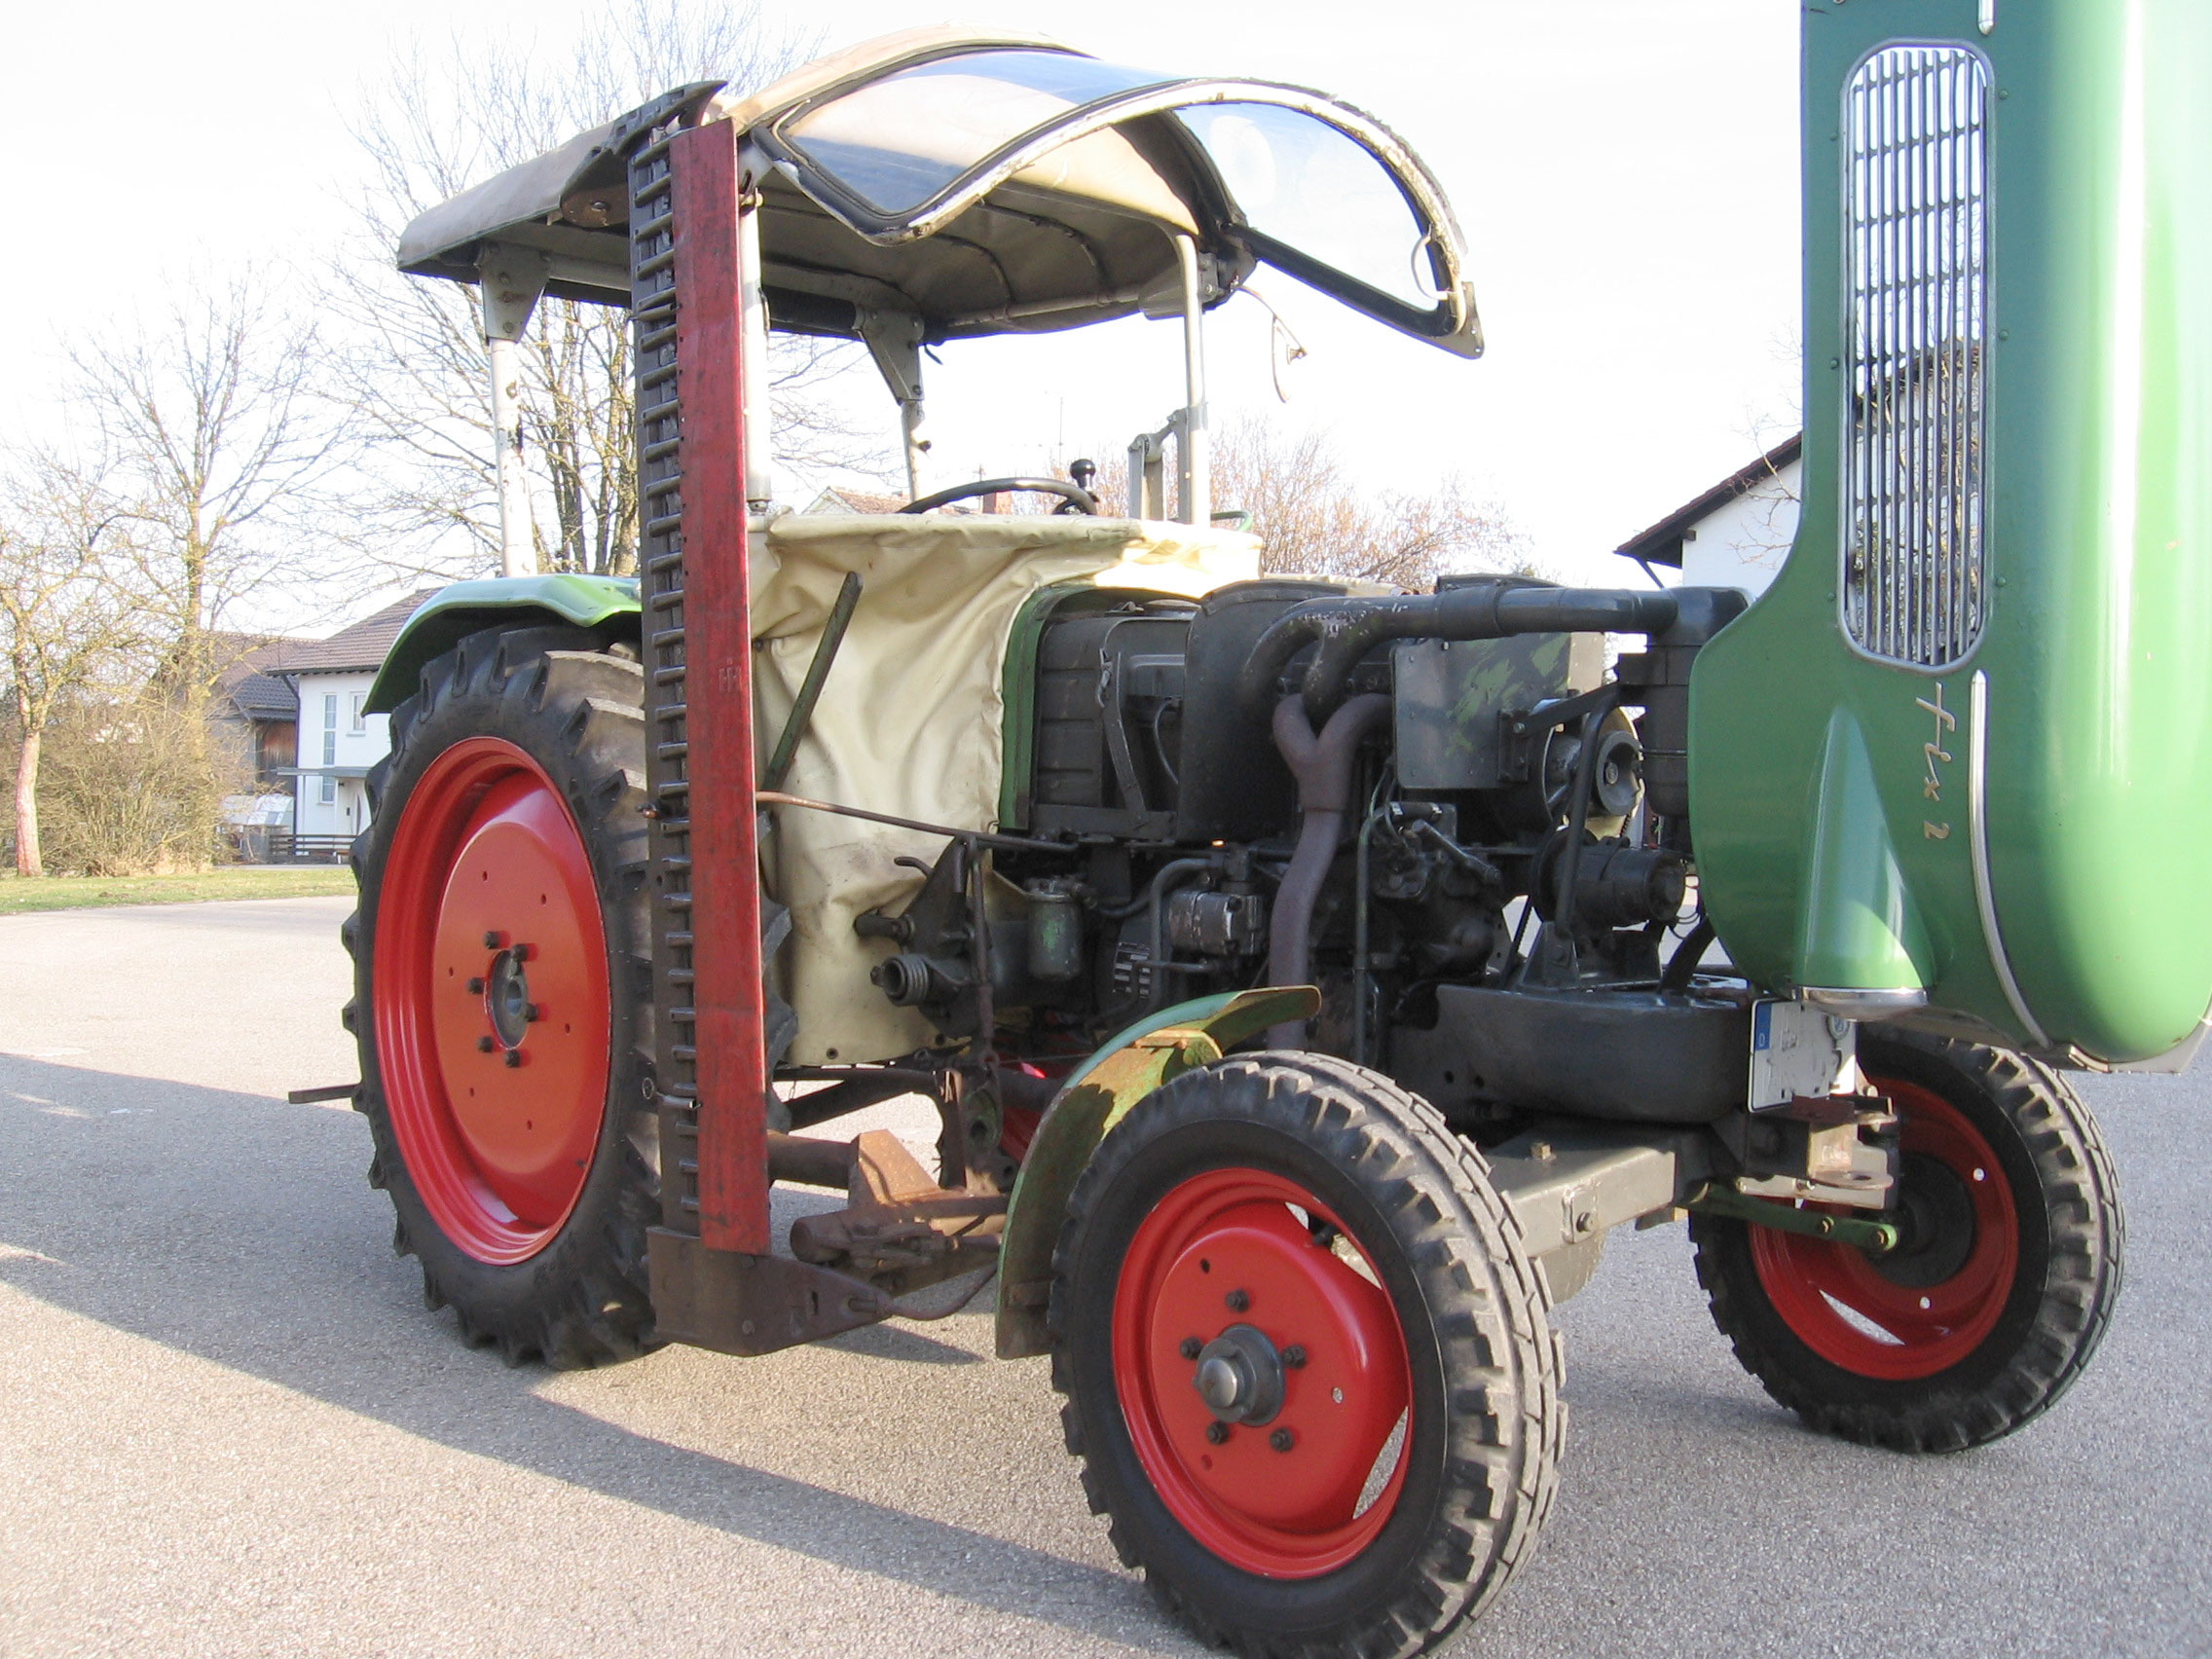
(606, 605)
(1095, 1097)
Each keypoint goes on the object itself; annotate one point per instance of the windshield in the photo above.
(1302, 183)
(898, 142)
(1082, 164)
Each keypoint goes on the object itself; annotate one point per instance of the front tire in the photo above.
(1997, 1295)
(1379, 1449)
(504, 994)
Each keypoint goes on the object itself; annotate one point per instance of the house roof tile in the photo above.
(261, 696)
(246, 680)
(1662, 543)
(350, 649)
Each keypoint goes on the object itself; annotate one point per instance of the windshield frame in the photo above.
(1451, 324)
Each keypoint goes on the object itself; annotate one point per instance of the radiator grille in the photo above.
(1916, 242)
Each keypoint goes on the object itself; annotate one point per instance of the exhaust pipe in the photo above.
(1322, 767)
(1490, 608)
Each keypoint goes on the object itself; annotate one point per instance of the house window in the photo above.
(328, 793)
(360, 711)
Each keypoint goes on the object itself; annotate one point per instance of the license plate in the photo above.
(1798, 1050)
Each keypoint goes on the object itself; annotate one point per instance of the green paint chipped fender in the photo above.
(1095, 1097)
(603, 604)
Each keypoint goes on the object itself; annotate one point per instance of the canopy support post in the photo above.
(753, 312)
(510, 281)
(1148, 467)
(911, 441)
(1197, 460)
(895, 341)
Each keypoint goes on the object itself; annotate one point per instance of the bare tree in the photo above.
(1770, 516)
(1313, 519)
(1769, 512)
(1316, 520)
(68, 614)
(212, 422)
(415, 386)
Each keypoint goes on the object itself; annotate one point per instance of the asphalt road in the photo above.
(228, 1427)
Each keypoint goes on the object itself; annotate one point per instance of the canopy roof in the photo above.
(995, 183)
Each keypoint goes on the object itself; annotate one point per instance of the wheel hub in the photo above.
(506, 997)
(1240, 1376)
(1936, 1224)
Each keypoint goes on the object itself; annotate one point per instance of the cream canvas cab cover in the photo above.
(911, 717)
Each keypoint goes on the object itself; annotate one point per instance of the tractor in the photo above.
(1308, 976)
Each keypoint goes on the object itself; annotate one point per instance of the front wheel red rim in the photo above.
(493, 1018)
(1305, 1490)
(1876, 1320)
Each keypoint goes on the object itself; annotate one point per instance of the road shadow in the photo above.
(234, 1227)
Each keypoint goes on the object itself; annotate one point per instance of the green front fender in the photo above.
(604, 604)
(1095, 1097)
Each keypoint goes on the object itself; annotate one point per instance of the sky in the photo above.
(1625, 173)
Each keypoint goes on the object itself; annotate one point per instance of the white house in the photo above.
(339, 741)
(1737, 534)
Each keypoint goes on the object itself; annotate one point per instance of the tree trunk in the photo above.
(27, 803)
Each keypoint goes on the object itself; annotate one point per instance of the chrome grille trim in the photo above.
(1916, 247)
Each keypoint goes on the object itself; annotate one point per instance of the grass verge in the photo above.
(19, 893)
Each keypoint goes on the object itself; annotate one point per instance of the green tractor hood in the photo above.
(1952, 766)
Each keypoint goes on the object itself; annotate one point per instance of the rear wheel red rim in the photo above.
(1859, 1312)
(493, 1018)
(1306, 1492)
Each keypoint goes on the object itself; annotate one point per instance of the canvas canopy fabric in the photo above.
(975, 183)
(911, 720)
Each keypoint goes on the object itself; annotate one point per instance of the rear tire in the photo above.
(504, 1022)
(1398, 1457)
(1997, 1296)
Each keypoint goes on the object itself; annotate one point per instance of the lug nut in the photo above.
(482, 1044)
(1282, 1440)
(1239, 1301)
(1294, 1357)
(476, 987)
(524, 952)
(530, 1013)
(514, 1057)
(1189, 1347)
(1217, 1432)
(491, 939)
